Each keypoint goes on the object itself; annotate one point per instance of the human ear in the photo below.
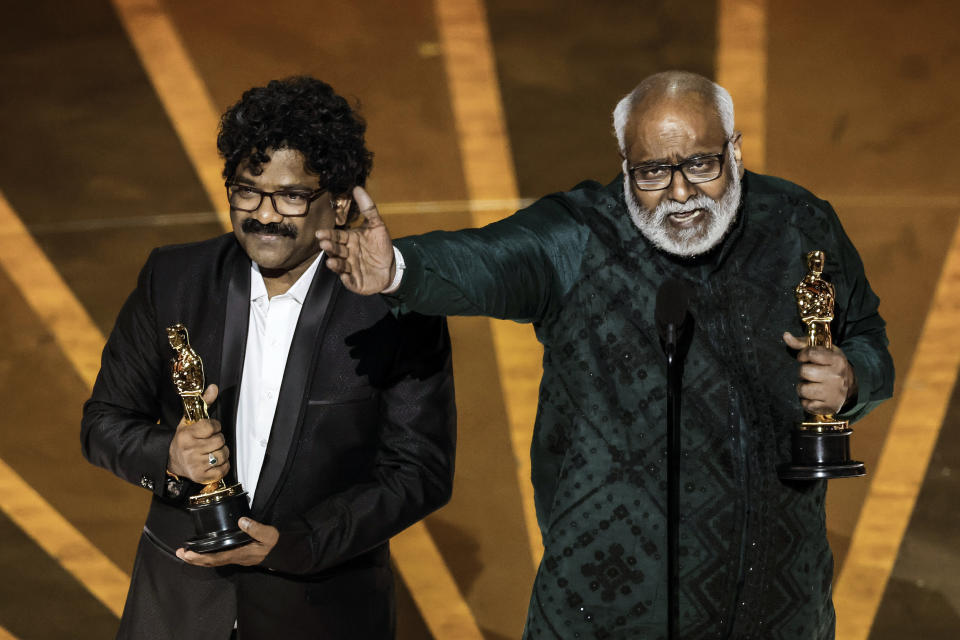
(341, 208)
(736, 142)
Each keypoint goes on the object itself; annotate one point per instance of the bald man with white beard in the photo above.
(584, 267)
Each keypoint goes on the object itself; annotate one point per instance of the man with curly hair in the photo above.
(335, 415)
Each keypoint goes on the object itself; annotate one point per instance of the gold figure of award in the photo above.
(217, 507)
(821, 443)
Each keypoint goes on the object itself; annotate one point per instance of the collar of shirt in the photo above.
(298, 292)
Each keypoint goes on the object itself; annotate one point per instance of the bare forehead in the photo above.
(667, 121)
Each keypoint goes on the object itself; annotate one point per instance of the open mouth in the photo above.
(685, 218)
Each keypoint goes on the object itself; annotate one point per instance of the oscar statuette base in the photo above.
(215, 516)
(821, 451)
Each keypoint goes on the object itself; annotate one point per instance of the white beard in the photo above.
(716, 220)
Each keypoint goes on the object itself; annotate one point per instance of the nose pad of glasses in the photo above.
(267, 210)
(680, 189)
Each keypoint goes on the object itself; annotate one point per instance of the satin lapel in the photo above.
(236, 321)
(296, 381)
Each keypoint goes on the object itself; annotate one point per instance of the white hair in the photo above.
(624, 108)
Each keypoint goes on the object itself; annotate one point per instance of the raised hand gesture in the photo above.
(363, 256)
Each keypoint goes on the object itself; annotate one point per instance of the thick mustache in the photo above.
(252, 225)
(699, 202)
(668, 208)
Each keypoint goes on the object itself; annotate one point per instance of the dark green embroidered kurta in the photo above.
(754, 560)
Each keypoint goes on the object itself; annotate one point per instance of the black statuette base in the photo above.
(821, 455)
(216, 523)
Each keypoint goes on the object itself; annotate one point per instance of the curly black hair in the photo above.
(300, 113)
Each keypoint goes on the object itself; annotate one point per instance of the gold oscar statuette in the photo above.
(217, 507)
(821, 443)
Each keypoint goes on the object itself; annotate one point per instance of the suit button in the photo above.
(146, 483)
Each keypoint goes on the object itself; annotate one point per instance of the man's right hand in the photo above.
(194, 443)
(363, 256)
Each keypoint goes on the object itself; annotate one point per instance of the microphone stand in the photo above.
(674, 372)
(671, 315)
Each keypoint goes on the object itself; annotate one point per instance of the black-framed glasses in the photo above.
(286, 202)
(696, 169)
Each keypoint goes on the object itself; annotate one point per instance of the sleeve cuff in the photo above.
(152, 463)
(293, 552)
(398, 272)
(855, 406)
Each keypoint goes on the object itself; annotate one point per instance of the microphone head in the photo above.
(673, 300)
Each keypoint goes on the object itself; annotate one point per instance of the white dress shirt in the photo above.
(269, 334)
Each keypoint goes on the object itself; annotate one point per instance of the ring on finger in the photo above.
(212, 459)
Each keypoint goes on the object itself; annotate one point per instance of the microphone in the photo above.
(670, 313)
(670, 316)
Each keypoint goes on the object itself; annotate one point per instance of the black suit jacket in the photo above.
(361, 446)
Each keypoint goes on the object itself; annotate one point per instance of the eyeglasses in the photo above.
(697, 170)
(288, 202)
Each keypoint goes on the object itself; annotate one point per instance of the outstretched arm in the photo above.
(518, 268)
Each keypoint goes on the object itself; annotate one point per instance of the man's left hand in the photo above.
(827, 380)
(264, 538)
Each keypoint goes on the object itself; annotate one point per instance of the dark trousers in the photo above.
(172, 600)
